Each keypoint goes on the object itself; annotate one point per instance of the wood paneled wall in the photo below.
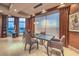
(30, 24)
(4, 26)
(74, 8)
(27, 24)
(64, 24)
(74, 36)
(16, 25)
(74, 39)
(0, 24)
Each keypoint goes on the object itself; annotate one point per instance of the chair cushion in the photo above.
(33, 41)
(54, 44)
(55, 39)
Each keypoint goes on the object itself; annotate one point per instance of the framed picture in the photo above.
(74, 22)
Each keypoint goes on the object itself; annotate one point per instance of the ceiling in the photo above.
(24, 9)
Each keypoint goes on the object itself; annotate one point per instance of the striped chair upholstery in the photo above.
(31, 41)
(56, 44)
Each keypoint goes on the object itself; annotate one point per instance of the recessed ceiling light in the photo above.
(34, 22)
(1, 10)
(44, 11)
(61, 3)
(14, 9)
(11, 6)
(33, 14)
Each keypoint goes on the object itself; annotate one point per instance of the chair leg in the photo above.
(30, 49)
(62, 52)
(41, 42)
(47, 51)
(37, 46)
(25, 46)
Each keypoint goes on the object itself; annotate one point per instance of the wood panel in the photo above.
(64, 24)
(30, 24)
(74, 36)
(16, 25)
(0, 24)
(74, 39)
(33, 25)
(27, 24)
(48, 10)
(74, 8)
(4, 26)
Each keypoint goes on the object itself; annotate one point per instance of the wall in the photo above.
(74, 8)
(0, 24)
(74, 39)
(4, 26)
(30, 24)
(74, 36)
(16, 25)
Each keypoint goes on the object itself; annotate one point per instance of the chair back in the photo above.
(43, 33)
(23, 34)
(61, 39)
(31, 33)
(57, 44)
(27, 37)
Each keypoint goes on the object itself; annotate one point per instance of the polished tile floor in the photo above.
(15, 47)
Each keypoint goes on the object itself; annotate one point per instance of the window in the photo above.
(48, 24)
(52, 24)
(39, 24)
(10, 25)
(21, 25)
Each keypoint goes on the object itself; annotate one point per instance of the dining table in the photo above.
(45, 37)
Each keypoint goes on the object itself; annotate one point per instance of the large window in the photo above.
(48, 24)
(10, 25)
(21, 25)
(40, 24)
(52, 24)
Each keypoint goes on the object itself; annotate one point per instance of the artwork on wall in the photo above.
(74, 22)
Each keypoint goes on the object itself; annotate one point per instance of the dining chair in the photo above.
(56, 44)
(42, 41)
(44, 33)
(23, 37)
(31, 41)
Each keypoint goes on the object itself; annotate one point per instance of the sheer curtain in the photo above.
(52, 25)
(48, 24)
(39, 24)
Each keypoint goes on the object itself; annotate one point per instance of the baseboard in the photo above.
(74, 49)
